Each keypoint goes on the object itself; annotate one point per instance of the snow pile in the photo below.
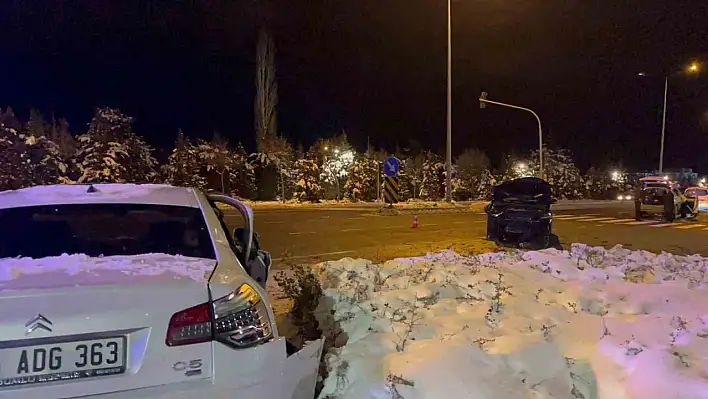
(585, 323)
(78, 270)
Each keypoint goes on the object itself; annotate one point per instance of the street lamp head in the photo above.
(326, 148)
(695, 67)
(641, 74)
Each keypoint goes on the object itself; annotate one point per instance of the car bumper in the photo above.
(276, 377)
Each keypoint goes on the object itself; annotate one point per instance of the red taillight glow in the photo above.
(190, 326)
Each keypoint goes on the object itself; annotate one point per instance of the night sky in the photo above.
(375, 68)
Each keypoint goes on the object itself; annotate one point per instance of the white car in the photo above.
(138, 291)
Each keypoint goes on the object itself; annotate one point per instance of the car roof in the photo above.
(99, 193)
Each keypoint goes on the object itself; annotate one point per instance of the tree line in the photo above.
(41, 151)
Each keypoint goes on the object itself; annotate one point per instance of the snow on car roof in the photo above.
(158, 194)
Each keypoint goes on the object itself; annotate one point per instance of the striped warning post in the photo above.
(391, 190)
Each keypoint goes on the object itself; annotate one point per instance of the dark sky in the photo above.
(375, 68)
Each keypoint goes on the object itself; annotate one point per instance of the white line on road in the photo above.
(572, 217)
(459, 222)
(597, 219)
(636, 223)
(662, 225)
(618, 221)
(297, 233)
(314, 255)
(356, 218)
(577, 218)
(691, 226)
(345, 230)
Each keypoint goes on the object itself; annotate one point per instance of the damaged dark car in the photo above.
(520, 214)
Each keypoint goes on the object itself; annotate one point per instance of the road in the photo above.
(309, 235)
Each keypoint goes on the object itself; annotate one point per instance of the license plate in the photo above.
(61, 361)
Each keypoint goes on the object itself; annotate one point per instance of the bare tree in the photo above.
(266, 92)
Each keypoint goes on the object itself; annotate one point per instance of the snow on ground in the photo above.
(78, 270)
(585, 323)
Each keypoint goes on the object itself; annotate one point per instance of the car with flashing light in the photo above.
(699, 195)
(139, 291)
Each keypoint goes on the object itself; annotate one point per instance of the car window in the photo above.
(696, 192)
(104, 230)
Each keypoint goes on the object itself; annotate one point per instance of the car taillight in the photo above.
(239, 319)
(190, 326)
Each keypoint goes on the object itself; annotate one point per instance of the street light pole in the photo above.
(448, 166)
(663, 127)
(483, 100)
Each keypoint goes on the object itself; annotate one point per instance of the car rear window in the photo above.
(696, 192)
(104, 230)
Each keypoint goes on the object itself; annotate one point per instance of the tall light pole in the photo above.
(663, 126)
(448, 166)
(693, 68)
(483, 103)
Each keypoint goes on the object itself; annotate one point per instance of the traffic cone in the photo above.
(415, 222)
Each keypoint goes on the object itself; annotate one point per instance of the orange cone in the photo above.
(415, 222)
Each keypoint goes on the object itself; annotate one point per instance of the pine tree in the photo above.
(411, 176)
(560, 172)
(111, 152)
(361, 184)
(66, 147)
(183, 168)
(242, 181)
(471, 175)
(15, 169)
(433, 184)
(307, 187)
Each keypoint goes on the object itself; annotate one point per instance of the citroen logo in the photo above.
(38, 322)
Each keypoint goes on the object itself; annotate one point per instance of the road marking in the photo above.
(297, 233)
(636, 223)
(314, 255)
(564, 217)
(275, 222)
(459, 222)
(345, 230)
(597, 219)
(691, 226)
(577, 218)
(313, 220)
(662, 225)
(618, 221)
(356, 218)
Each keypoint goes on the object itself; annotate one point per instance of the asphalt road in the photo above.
(308, 235)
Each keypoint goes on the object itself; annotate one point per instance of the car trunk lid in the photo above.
(79, 326)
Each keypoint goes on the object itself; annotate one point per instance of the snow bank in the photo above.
(586, 323)
(76, 270)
